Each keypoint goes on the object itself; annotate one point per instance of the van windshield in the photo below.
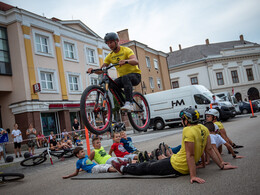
(209, 96)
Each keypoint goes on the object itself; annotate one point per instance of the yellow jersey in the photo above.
(123, 54)
(197, 134)
(219, 124)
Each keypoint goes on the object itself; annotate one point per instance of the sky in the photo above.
(158, 23)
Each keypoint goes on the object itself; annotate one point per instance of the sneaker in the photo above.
(236, 152)
(21, 155)
(162, 148)
(237, 146)
(146, 156)
(128, 107)
(141, 157)
(16, 156)
(117, 166)
(158, 152)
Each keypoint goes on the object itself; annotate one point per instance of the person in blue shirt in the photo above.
(87, 165)
(128, 144)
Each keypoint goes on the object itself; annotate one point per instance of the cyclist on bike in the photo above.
(128, 71)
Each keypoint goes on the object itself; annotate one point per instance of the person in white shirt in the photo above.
(216, 141)
(214, 102)
(17, 136)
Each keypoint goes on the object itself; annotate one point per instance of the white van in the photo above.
(165, 106)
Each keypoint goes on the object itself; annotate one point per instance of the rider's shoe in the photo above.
(128, 107)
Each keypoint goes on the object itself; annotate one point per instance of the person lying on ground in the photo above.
(87, 165)
(118, 148)
(100, 155)
(216, 141)
(195, 139)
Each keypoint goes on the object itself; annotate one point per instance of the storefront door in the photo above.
(49, 123)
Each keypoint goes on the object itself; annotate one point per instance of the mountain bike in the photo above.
(36, 160)
(10, 176)
(96, 105)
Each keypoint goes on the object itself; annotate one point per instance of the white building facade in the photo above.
(229, 66)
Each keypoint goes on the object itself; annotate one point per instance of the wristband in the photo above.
(222, 167)
(234, 156)
(126, 62)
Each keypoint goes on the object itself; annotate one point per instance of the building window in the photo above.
(91, 54)
(70, 50)
(250, 75)
(155, 64)
(234, 76)
(220, 79)
(159, 83)
(47, 80)
(74, 83)
(43, 43)
(5, 65)
(151, 82)
(194, 80)
(148, 63)
(175, 84)
(94, 81)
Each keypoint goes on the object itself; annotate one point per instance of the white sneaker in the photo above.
(128, 107)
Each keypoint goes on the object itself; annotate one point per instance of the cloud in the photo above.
(159, 24)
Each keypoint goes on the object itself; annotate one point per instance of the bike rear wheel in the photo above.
(32, 161)
(96, 109)
(140, 117)
(11, 176)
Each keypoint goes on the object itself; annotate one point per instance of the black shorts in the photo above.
(17, 145)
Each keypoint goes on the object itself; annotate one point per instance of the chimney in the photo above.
(170, 48)
(207, 41)
(241, 38)
(55, 19)
(179, 46)
(123, 35)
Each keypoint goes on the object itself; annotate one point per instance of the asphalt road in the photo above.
(46, 179)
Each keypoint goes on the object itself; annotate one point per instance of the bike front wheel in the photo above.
(140, 117)
(96, 109)
(11, 176)
(32, 161)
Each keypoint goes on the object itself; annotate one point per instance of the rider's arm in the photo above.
(217, 153)
(71, 175)
(132, 60)
(189, 148)
(91, 156)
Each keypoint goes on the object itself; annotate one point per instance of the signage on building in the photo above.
(36, 88)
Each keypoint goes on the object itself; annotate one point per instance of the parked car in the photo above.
(245, 107)
(258, 103)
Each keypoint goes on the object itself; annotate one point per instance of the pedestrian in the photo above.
(31, 136)
(76, 128)
(17, 136)
(2, 132)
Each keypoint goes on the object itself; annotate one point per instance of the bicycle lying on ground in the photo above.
(10, 176)
(96, 105)
(36, 160)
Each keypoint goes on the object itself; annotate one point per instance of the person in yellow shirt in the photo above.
(128, 71)
(195, 139)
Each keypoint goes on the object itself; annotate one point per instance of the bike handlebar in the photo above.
(103, 68)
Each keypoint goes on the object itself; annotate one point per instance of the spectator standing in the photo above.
(17, 136)
(31, 136)
(75, 127)
(2, 131)
(214, 102)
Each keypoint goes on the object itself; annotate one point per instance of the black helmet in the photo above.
(26, 154)
(9, 159)
(111, 37)
(190, 114)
